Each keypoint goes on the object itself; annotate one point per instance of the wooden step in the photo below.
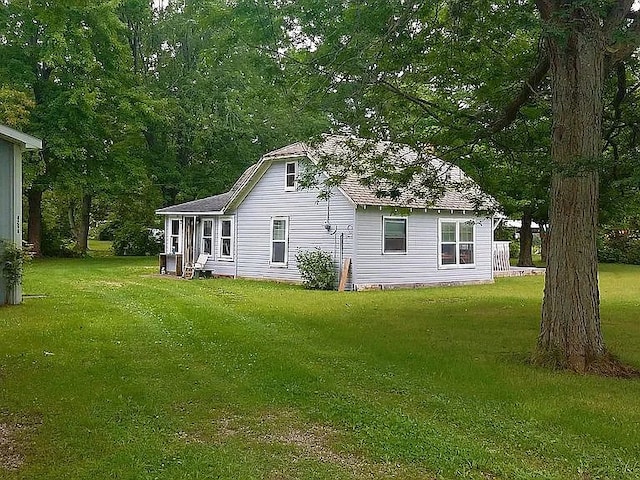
(188, 273)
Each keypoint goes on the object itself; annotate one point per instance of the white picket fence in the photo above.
(501, 256)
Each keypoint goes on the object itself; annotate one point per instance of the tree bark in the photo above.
(83, 230)
(544, 241)
(570, 334)
(80, 223)
(525, 259)
(34, 226)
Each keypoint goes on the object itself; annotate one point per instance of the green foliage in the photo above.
(317, 269)
(514, 249)
(135, 102)
(15, 106)
(134, 240)
(12, 260)
(57, 238)
(619, 246)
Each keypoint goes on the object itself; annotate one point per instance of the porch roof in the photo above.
(212, 205)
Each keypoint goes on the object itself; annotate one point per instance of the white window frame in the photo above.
(230, 237)
(285, 241)
(406, 235)
(203, 237)
(177, 235)
(457, 243)
(293, 176)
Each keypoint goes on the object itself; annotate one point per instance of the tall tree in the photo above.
(69, 56)
(228, 98)
(458, 75)
(585, 40)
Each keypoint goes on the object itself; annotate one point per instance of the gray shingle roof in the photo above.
(459, 191)
(209, 204)
(298, 149)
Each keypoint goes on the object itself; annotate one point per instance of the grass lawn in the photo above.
(100, 248)
(118, 373)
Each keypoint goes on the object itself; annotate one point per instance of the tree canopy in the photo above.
(514, 89)
(171, 104)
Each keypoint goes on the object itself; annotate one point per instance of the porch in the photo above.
(502, 266)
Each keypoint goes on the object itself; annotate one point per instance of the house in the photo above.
(12, 144)
(255, 229)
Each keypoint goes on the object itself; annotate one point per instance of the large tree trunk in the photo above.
(83, 226)
(544, 241)
(80, 223)
(34, 227)
(525, 259)
(570, 333)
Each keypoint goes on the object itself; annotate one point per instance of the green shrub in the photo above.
(12, 260)
(317, 269)
(137, 241)
(57, 241)
(619, 246)
(514, 249)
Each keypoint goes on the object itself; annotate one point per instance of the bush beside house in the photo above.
(317, 269)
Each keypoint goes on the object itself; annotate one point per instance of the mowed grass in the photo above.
(120, 373)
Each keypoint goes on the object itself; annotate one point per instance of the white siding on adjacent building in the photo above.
(306, 216)
(419, 265)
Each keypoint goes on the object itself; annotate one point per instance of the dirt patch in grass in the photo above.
(306, 442)
(11, 457)
(12, 440)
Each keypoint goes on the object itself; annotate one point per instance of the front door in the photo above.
(189, 234)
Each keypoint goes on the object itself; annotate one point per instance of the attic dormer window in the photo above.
(290, 176)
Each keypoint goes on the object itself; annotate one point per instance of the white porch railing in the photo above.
(501, 256)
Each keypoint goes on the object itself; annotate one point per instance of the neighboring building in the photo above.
(12, 144)
(255, 229)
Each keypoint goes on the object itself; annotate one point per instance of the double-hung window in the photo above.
(279, 240)
(290, 171)
(394, 235)
(207, 237)
(174, 235)
(225, 238)
(457, 243)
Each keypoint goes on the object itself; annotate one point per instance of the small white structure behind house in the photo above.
(255, 229)
(12, 144)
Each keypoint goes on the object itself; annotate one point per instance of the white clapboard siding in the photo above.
(419, 265)
(307, 216)
(216, 264)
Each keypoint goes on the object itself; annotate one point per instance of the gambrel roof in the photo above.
(459, 193)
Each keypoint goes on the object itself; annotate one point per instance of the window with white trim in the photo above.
(207, 237)
(174, 235)
(279, 240)
(225, 238)
(290, 173)
(394, 235)
(457, 243)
